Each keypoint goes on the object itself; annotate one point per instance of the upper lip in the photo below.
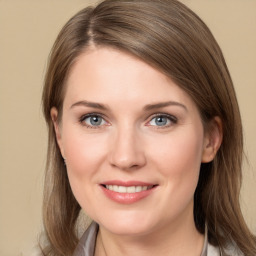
(127, 183)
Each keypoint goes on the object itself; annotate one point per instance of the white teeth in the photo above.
(122, 189)
(138, 188)
(132, 189)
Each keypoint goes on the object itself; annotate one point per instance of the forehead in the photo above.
(108, 75)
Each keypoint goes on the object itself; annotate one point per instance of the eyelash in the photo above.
(84, 117)
(172, 119)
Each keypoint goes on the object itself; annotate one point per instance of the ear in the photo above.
(57, 128)
(212, 140)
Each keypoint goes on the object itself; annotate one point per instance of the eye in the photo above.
(162, 120)
(93, 121)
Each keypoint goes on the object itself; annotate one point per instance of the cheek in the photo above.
(83, 152)
(178, 157)
(178, 161)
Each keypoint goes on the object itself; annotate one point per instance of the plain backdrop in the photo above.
(28, 29)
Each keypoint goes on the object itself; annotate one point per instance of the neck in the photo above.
(181, 239)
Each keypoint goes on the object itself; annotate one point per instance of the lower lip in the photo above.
(127, 198)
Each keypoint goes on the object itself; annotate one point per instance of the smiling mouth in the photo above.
(127, 192)
(130, 189)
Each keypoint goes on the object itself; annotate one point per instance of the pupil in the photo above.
(95, 120)
(161, 121)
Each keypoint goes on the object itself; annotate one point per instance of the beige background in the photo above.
(27, 31)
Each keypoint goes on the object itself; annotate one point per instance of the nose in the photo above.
(127, 151)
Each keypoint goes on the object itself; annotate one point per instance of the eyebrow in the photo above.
(89, 104)
(163, 104)
(148, 107)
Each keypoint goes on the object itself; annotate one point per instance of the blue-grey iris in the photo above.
(95, 120)
(161, 121)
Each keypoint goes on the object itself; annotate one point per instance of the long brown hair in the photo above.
(171, 38)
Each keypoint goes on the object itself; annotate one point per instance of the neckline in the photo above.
(87, 243)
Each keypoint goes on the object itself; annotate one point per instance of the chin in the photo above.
(126, 229)
(129, 224)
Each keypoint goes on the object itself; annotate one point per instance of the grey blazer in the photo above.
(87, 243)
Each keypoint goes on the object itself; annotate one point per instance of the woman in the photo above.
(145, 136)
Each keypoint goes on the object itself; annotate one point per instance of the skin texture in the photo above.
(130, 145)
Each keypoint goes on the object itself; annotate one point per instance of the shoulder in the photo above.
(87, 242)
(230, 250)
(213, 250)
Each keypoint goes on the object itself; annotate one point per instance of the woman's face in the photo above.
(133, 143)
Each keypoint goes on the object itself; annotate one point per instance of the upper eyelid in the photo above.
(162, 114)
(92, 114)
